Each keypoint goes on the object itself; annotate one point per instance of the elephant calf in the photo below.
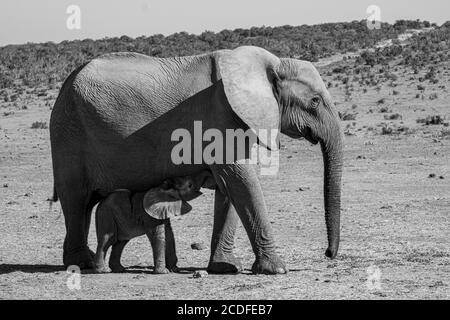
(124, 215)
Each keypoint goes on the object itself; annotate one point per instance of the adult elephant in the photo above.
(112, 123)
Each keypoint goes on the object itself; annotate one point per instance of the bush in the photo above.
(48, 63)
(39, 125)
(347, 116)
(394, 116)
(435, 120)
(433, 96)
(386, 130)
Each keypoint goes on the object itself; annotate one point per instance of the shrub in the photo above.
(386, 130)
(433, 96)
(39, 125)
(435, 120)
(394, 116)
(347, 116)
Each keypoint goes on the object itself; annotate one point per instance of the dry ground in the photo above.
(394, 216)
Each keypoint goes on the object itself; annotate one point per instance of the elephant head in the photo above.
(161, 203)
(289, 95)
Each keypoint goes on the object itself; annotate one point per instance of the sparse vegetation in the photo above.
(433, 96)
(384, 110)
(394, 116)
(436, 119)
(39, 125)
(347, 116)
(49, 63)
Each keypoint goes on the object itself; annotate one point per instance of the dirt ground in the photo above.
(395, 213)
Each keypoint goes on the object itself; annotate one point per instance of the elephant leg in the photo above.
(77, 214)
(104, 242)
(76, 202)
(116, 253)
(157, 239)
(241, 184)
(171, 252)
(222, 259)
(105, 228)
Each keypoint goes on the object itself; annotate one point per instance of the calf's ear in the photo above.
(158, 204)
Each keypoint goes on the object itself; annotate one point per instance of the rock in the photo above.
(200, 274)
(431, 175)
(5, 185)
(441, 177)
(197, 246)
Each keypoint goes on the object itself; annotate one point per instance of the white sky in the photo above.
(24, 21)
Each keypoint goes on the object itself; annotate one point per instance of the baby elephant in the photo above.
(124, 215)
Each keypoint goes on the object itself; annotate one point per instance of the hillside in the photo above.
(49, 63)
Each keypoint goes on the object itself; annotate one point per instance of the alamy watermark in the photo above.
(373, 281)
(374, 18)
(213, 147)
(74, 279)
(73, 21)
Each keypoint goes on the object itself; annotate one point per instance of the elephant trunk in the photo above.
(332, 159)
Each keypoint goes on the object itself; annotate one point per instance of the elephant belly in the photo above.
(128, 228)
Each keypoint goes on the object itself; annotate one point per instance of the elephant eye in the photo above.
(315, 102)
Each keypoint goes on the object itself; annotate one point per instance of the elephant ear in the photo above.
(248, 75)
(160, 204)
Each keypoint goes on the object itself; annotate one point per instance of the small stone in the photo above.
(200, 274)
(5, 185)
(431, 175)
(197, 246)
(441, 177)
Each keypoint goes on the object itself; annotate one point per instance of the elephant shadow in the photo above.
(149, 269)
(46, 268)
(181, 270)
(30, 268)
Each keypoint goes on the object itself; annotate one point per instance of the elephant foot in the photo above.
(102, 269)
(117, 268)
(161, 271)
(225, 265)
(269, 265)
(173, 269)
(83, 258)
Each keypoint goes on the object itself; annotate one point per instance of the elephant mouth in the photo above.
(310, 136)
(305, 133)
